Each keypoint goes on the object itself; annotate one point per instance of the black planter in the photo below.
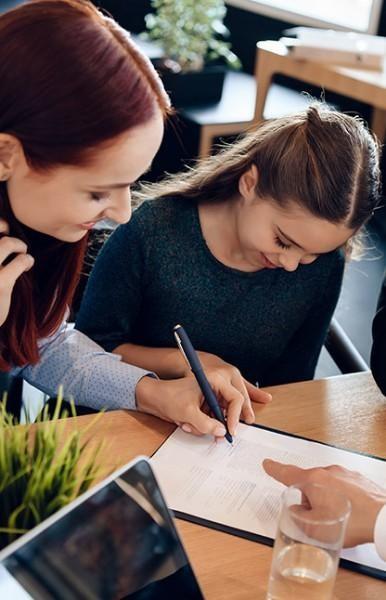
(195, 87)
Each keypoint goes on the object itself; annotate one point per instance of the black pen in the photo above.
(190, 355)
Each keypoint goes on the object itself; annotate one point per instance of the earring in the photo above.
(5, 175)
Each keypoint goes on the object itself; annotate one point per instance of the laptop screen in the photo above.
(119, 543)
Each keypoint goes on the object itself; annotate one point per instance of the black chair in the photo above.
(342, 350)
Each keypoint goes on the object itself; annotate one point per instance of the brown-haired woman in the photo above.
(245, 250)
(81, 118)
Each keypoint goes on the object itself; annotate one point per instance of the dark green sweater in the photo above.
(157, 271)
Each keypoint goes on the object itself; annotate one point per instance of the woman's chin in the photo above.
(69, 235)
(72, 237)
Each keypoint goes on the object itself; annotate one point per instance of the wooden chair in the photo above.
(236, 111)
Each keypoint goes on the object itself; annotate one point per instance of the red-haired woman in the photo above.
(81, 118)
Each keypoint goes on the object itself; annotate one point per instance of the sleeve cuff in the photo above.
(380, 533)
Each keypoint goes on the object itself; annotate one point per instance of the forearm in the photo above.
(93, 377)
(167, 363)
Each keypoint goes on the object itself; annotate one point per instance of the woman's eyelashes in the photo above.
(99, 196)
(281, 244)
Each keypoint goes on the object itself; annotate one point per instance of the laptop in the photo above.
(116, 541)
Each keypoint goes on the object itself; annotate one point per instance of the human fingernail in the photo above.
(219, 432)
(186, 428)
(269, 397)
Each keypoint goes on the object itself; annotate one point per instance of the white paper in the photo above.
(226, 483)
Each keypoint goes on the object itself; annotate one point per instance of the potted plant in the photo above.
(190, 33)
(39, 473)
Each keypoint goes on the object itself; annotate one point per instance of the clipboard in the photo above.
(265, 539)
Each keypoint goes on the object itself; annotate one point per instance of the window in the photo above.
(357, 15)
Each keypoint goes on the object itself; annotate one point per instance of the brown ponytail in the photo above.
(326, 161)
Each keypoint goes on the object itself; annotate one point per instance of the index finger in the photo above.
(233, 409)
(287, 474)
(230, 399)
(12, 271)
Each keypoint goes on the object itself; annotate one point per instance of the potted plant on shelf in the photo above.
(191, 34)
(39, 473)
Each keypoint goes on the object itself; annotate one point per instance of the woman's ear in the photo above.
(10, 148)
(248, 182)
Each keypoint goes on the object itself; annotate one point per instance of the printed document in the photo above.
(225, 483)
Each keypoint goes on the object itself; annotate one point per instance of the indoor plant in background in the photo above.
(39, 473)
(191, 34)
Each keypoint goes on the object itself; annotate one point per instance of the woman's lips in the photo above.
(88, 226)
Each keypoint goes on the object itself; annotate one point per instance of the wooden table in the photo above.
(347, 410)
(364, 85)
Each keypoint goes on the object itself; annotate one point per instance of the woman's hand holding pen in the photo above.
(180, 401)
(250, 392)
(11, 271)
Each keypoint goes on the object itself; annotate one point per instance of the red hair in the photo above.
(71, 80)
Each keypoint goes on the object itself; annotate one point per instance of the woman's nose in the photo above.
(120, 209)
(289, 261)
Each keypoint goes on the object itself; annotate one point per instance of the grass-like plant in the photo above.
(39, 473)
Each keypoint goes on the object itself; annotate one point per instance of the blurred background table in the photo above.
(366, 86)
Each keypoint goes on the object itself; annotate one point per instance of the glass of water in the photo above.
(308, 542)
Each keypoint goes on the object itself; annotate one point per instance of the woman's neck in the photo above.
(219, 226)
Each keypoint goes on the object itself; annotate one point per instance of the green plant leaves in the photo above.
(190, 31)
(40, 470)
